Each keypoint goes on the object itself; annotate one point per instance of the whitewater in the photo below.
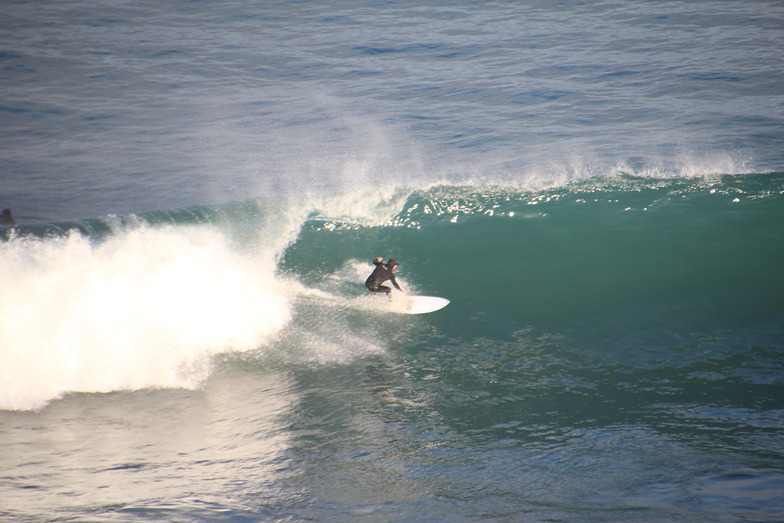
(199, 190)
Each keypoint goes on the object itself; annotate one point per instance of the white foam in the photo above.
(146, 308)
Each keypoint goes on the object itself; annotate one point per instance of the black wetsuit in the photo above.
(381, 274)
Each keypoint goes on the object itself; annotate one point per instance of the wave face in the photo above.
(668, 248)
(609, 263)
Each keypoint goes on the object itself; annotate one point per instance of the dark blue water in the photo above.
(199, 189)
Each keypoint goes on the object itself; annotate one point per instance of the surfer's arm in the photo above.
(394, 282)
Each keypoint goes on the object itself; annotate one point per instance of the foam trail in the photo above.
(145, 308)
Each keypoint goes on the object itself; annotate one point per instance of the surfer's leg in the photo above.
(382, 288)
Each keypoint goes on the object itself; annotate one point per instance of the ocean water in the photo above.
(199, 188)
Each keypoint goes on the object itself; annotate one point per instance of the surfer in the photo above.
(6, 218)
(382, 273)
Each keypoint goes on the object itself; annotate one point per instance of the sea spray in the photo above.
(146, 301)
(145, 308)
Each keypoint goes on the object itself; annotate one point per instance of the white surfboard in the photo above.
(417, 304)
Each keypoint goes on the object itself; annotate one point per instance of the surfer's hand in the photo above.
(379, 259)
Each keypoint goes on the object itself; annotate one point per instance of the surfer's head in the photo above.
(392, 263)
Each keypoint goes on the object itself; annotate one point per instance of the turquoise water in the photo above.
(199, 191)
